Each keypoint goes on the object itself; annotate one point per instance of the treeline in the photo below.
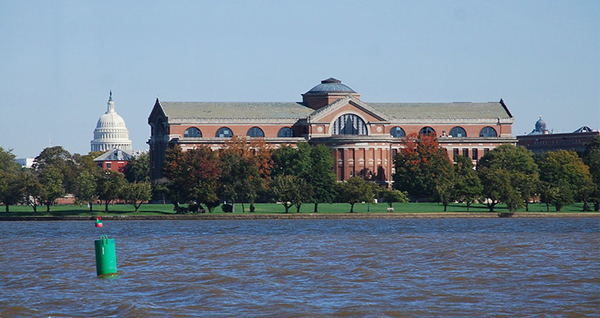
(201, 179)
(507, 174)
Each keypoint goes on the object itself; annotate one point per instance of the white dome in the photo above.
(111, 131)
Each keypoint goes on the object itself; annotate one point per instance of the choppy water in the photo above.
(305, 268)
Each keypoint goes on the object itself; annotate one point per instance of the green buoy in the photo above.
(106, 256)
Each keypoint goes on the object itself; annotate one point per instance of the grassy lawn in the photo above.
(162, 209)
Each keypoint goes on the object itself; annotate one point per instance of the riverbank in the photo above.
(301, 216)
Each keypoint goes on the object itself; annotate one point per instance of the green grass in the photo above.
(165, 209)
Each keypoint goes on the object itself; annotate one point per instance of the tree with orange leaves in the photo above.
(246, 167)
(420, 166)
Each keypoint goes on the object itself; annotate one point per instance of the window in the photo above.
(458, 132)
(255, 132)
(397, 132)
(455, 152)
(224, 132)
(486, 151)
(349, 124)
(285, 132)
(427, 131)
(192, 132)
(465, 152)
(488, 132)
(474, 154)
(108, 165)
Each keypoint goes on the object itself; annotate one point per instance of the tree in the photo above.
(110, 186)
(244, 170)
(62, 161)
(518, 165)
(591, 157)
(356, 190)
(10, 185)
(51, 181)
(192, 176)
(419, 165)
(391, 195)
(565, 175)
(468, 187)
(137, 193)
(85, 189)
(138, 169)
(321, 177)
(290, 190)
(32, 189)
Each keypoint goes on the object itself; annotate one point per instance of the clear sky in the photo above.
(60, 59)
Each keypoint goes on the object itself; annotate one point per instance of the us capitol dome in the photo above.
(111, 131)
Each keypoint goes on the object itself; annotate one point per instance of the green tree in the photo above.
(591, 157)
(566, 175)
(110, 186)
(518, 164)
(10, 185)
(391, 195)
(290, 190)
(244, 169)
(85, 189)
(419, 165)
(468, 187)
(62, 161)
(32, 189)
(51, 181)
(321, 177)
(137, 193)
(356, 190)
(138, 169)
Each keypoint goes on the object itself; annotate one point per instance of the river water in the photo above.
(305, 268)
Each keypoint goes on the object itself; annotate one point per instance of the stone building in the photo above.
(363, 136)
(111, 131)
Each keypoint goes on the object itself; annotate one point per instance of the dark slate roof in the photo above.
(490, 110)
(330, 85)
(115, 155)
(234, 110)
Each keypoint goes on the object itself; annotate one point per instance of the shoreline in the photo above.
(309, 216)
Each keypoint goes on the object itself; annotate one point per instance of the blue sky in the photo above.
(60, 59)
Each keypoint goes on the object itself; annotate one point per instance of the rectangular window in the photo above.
(455, 152)
(108, 165)
(486, 150)
(475, 154)
(465, 152)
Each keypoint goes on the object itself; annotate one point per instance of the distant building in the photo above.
(363, 137)
(542, 140)
(114, 159)
(25, 162)
(111, 131)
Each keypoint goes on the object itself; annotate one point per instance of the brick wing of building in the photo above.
(362, 136)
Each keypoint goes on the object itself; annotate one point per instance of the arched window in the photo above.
(397, 132)
(488, 132)
(427, 131)
(255, 132)
(285, 132)
(349, 124)
(192, 132)
(458, 132)
(224, 132)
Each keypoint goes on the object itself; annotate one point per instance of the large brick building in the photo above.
(362, 136)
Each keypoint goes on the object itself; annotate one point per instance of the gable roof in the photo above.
(349, 99)
(114, 155)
